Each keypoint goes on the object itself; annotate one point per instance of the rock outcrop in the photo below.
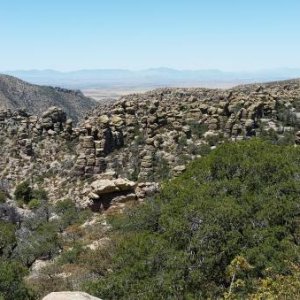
(144, 136)
(107, 192)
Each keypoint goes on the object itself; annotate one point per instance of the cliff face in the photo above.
(122, 150)
(17, 94)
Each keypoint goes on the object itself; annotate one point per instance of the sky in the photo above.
(229, 35)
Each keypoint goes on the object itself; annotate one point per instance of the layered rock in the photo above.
(108, 192)
(167, 127)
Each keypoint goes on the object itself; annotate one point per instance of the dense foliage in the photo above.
(229, 222)
(23, 240)
(229, 227)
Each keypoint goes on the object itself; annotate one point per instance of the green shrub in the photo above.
(162, 168)
(69, 214)
(39, 194)
(7, 238)
(242, 200)
(2, 197)
(213, 140)
(288, 138)
(34, 204)
(71, 256)
(204, 149)
(39, 179)
(182, 141)
(198, 129)
(12, 286)
(269, 135)
(44, 242)
(23, 192)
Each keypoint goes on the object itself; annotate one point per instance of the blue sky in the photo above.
(184, 34)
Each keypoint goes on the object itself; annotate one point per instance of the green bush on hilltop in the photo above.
(216, 231)
(2, 197)
(23, 192)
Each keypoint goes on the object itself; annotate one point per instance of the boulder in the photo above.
(117, 121)
(106, 186)
(104, 119)
(69, 296)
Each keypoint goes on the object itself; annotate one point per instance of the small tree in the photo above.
(2, 197)
(12, 286)
(7, 238)
(23, 192)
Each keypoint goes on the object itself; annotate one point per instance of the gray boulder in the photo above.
(69, 296)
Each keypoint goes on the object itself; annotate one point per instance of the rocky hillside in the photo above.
(17, 94)
(128, 146)
(52, 170)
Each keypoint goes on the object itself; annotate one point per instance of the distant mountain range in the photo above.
(150, 78)
(17, 94)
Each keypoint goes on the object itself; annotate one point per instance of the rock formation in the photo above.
(122, 150)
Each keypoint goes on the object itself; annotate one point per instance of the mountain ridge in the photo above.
(161, 77)
(17, 94)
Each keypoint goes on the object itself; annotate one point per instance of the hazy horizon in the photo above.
(3, 71)
(111, 83)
